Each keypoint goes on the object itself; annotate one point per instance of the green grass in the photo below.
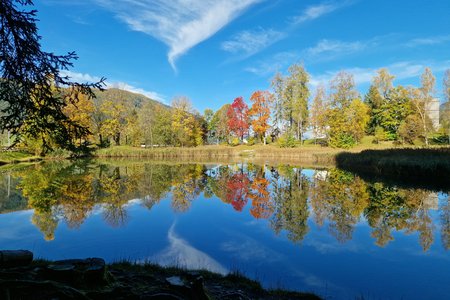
(8, 157)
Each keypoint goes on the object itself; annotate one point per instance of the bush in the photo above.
(410, 129)
(251, 141)
(235, 142)
(286, 141)
(342, 140)
(380, 135)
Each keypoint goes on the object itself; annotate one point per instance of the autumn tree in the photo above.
(237, 190)
(186, 127)
(410, 129)
(182, 120)
(32, 88)
(98, 118)
(116, 111)
(81, 114)
(260, 111)
(219, 123)
(238, 120)
(318, 113)
(133, 130)
(347, 115)
(421, 100)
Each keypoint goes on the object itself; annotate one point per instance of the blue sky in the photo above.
(216, 50)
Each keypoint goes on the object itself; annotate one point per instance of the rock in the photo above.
(15, 258)
(77, 271)
(191, 287)
(176, 281)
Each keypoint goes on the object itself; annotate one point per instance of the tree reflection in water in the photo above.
(284, 195)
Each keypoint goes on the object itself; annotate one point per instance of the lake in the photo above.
(325, 231)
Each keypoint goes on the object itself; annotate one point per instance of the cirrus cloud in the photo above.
(180, 24)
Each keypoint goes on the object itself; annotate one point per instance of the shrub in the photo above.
(380, 135)
(235, 142)
(286, 141)
(343, 140)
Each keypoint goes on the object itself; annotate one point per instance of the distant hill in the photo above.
(137, 100)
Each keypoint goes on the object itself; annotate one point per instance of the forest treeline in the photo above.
(284, 195)
(335, 115)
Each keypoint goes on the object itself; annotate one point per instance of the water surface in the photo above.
(320, 230)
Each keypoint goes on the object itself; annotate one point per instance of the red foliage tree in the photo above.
(237, 191)
(238, 119)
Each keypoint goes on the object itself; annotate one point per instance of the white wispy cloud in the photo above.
(333, 47)
(83, 77)
(249, 42)
(428, 41)
(180, 24)
(401, 70)
(317, 11)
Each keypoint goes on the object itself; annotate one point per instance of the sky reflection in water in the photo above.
(325, 231)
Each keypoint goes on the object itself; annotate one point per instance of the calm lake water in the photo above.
(325, 231)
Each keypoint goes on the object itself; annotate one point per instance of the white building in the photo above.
(433, 112)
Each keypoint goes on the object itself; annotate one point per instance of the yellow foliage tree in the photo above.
(260, 110)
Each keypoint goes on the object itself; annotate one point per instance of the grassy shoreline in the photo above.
(92, 279)
(307, 154)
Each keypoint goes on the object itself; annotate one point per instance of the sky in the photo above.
(213, 51)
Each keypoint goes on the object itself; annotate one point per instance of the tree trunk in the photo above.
(117, 138)
(425, 133)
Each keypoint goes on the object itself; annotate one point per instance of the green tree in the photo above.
(146, 123)
(347, 115)
(32, 89)
(291, 100)
(374, 101)
(163, 131)
(297, 95)
(211, 126)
